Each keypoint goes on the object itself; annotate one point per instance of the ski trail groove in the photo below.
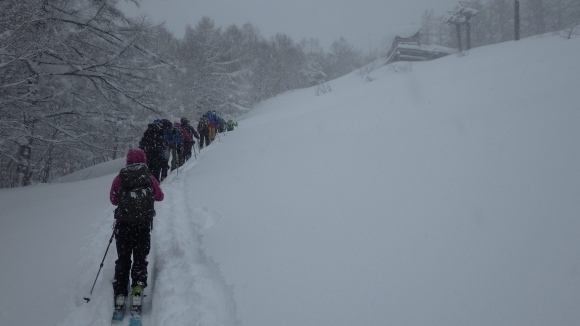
(188, 287)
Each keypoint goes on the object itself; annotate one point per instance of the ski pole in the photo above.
(194, 154)
(102, 263)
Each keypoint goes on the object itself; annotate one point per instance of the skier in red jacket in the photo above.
(134, 191)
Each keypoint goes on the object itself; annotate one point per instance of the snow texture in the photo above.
(446, 193)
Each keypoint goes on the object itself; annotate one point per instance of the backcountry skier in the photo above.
(134, 192)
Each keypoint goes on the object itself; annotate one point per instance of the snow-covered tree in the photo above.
(312, 70)
(214, 77)
(66, 68)
(342, 59)
(429, 27)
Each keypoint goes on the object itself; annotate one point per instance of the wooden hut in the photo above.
(409, 48)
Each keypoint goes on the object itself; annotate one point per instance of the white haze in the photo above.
(363, 23)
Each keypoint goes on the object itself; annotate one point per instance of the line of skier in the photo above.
(164, 140)
(136, 189)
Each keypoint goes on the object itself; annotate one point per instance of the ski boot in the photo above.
(136, 302)
(119, 308)
(137, 295)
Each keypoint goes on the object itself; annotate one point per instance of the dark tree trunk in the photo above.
(467, 35)
(458, 28)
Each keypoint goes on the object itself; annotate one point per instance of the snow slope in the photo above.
(439, 193)
(444, 195)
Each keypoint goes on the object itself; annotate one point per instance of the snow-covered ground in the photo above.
(439, 193)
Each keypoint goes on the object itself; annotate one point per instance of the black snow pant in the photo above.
(133, 240)
(155, 161)
(177, 158)
(165, 168)
(203, 135)
(187, 150)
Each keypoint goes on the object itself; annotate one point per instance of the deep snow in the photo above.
(437, 193)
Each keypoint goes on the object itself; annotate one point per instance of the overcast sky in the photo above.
(360, 22)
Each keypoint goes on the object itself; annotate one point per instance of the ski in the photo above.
(136, 302)
(135, 319)
(118, 314)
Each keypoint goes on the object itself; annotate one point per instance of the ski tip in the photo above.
(133, 321)
(118, 317)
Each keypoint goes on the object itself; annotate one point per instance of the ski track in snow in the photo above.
(185, 285)
(189, 290)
